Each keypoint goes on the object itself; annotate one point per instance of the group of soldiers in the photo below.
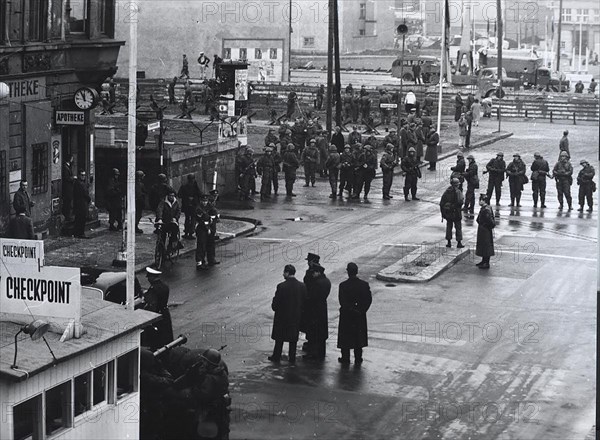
(302, 307)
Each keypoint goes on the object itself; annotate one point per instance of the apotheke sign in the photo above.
(70, 118)
(30, 89)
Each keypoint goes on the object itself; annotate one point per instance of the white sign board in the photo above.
(387, 105)
(154, 126)
(52, 294)
(70, 118)
(17, 252)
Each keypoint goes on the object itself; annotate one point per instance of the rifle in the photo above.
(198, 367)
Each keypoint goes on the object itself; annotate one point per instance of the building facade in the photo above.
(580, 26)
(50, 49)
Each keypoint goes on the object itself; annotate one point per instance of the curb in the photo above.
(444, 259)
(229, 236)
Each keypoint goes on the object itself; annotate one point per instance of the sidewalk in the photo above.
(103, 245)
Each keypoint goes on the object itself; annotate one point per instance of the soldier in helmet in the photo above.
(333, 167)
(496, 169)
(410, 166)
(207, 218)
(114, 202)
(346, 171)
(450, 206)
(472, 178)
(159, 191)
(368, 164)
(265, 168)
(563, 174)
(459, 169)
(247, 170)
(587, 186)
(516, 178)
(310, 158)
(388, 163)
(290, 164)
(540, 170)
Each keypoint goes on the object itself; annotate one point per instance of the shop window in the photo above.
(127, 367)
(39, 168)
(99, 385)
(566, 15)
(361, 32)
(3, 192)
(82, 394)
(309, 42)
(58, 408)
(27, 419)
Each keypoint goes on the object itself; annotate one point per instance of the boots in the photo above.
(535, 200)
(460, 245)
(519, 200)
(449, 244)
(543, 199)
(570, 202)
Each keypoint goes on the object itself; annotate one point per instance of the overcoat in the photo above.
(287, 304)
(485, 237)
(315, 309)
(355, 299)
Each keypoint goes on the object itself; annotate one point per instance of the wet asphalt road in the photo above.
(501, 354)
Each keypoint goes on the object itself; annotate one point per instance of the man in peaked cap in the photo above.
(315, 313)
(156, 299)
(496, 169)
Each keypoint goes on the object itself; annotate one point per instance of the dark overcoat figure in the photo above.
(20, 227)
(156, 300)
(355, 299)
(81, 201)
(315, 319)
(431, 153)
(485, 237)
(22, 200)
(114, 202)
(189, 194)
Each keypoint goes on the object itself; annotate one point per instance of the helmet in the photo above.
(291, 147)
(140, 173)
(116, 171)
(368, 147)
(564, 153)
(212, 356)
(412, 150)
(332, 148)
(249, 151)
(271, 145)
(162, 177)
(389, 146)
(459, 154)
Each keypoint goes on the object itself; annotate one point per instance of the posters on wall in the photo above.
(233, 112)
(264, 57)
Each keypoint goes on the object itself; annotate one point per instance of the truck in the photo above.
(486, 81)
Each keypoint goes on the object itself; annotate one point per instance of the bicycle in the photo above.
(165, 249)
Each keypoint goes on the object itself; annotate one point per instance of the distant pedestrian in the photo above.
(450, 207)
(431, 153)
(81, 202)
(563, 174)
(20, 226)
(463, 130)
(320, 96)
(472, 178)
(159, 191)
(476, 111)
(185, 69)
(291, 104)
(114, 202)
(458, 170)
(287, 304)
(486, 105)
(587, 186)
(346, 171)
(355, 300)
(203, 61)
(540, 170)
(485, 236)
(496, 169)
(416, 69)
(290, 164)
(171, 90)
(189, 194)
(22, 199)
(458, 105)
(563, 145)
(367, 168)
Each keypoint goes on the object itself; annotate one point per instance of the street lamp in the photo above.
(4, 90)
(35, 330)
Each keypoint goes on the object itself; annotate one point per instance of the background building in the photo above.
(48, 50)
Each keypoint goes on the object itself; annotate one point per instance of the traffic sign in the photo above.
(154, 126)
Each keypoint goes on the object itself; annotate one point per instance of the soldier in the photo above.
(299, 134)
(392, 138)
(333, 168)
(323, 148)
(156, 299)
(347, 102)
(349, 88)
(285, 138)
(421, 136)
(516, 178)
(388, 163)
(411, 138)
(315, 312)
(431, 153)
(247, 173)
(140, 199)
(21, 199)
(114, 202)
(346, 170)
(355, 300)
(356, 169)
(450, 207)
(290, 164)
(207, 218)
(112, 91)
(587, 186)
(264, 168)
(320, 95)
(277, 159)
(485, 237)
(287, 304)
(291, 104)
(463, 130)
(459, 169)
(472, 178)
(171, 90)
(372, 141)
(410, 166)
(81, 202)
(428, 104)
(384, 98)
(310, 158)
(185, 70)
(355, 104)
(496, 168)
(354, 137)
(563, 174)
(189, 194)
(540, 170)
(368, 167)
(365, 106)
(158, 191)
(271, 137)
(563, 145)
(337, 139)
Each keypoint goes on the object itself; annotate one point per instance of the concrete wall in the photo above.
(169, 29)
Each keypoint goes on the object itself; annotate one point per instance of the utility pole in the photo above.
(499, 39)
(560, 9)
(338, 83)
(330, 47)
(131, 127)
(290, 44)
(402, 29)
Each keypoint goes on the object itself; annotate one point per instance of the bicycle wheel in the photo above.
(159, 253)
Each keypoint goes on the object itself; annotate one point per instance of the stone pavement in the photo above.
(103, 245)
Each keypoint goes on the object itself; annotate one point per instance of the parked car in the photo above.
(110, 286)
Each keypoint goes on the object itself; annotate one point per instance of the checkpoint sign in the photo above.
(16, 252)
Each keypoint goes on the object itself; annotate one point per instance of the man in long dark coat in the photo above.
(586, 185)
(485, 237)
(450, 207)
(287, 305)
(355, 299)
(315, 309)
(114, 202)
(516, 177)
(156, 299)
(540, 170)
(431, 155)
(20, 226)
(189, 194)
(21, 199)
(265, 167)
(81, 201)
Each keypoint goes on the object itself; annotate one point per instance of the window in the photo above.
(362, 11)
(105, 17)
(2, 22)
(83, 401)
(361, 32)
(273, 54)
(3, 176)
(127, 366)
(562, 45)
(227, 53)
(39, 168)
(27, 419)
(58, 408)
(77, 16)
(566, 15)
(582, 15)
(243, 53)
(309, 42)
(36, 12)
(99, 385)
(258, 54)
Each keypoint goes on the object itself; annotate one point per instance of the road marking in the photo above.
(564, 257)
(419, 339)
(271, 239)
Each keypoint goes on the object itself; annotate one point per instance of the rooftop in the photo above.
(102, 320)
